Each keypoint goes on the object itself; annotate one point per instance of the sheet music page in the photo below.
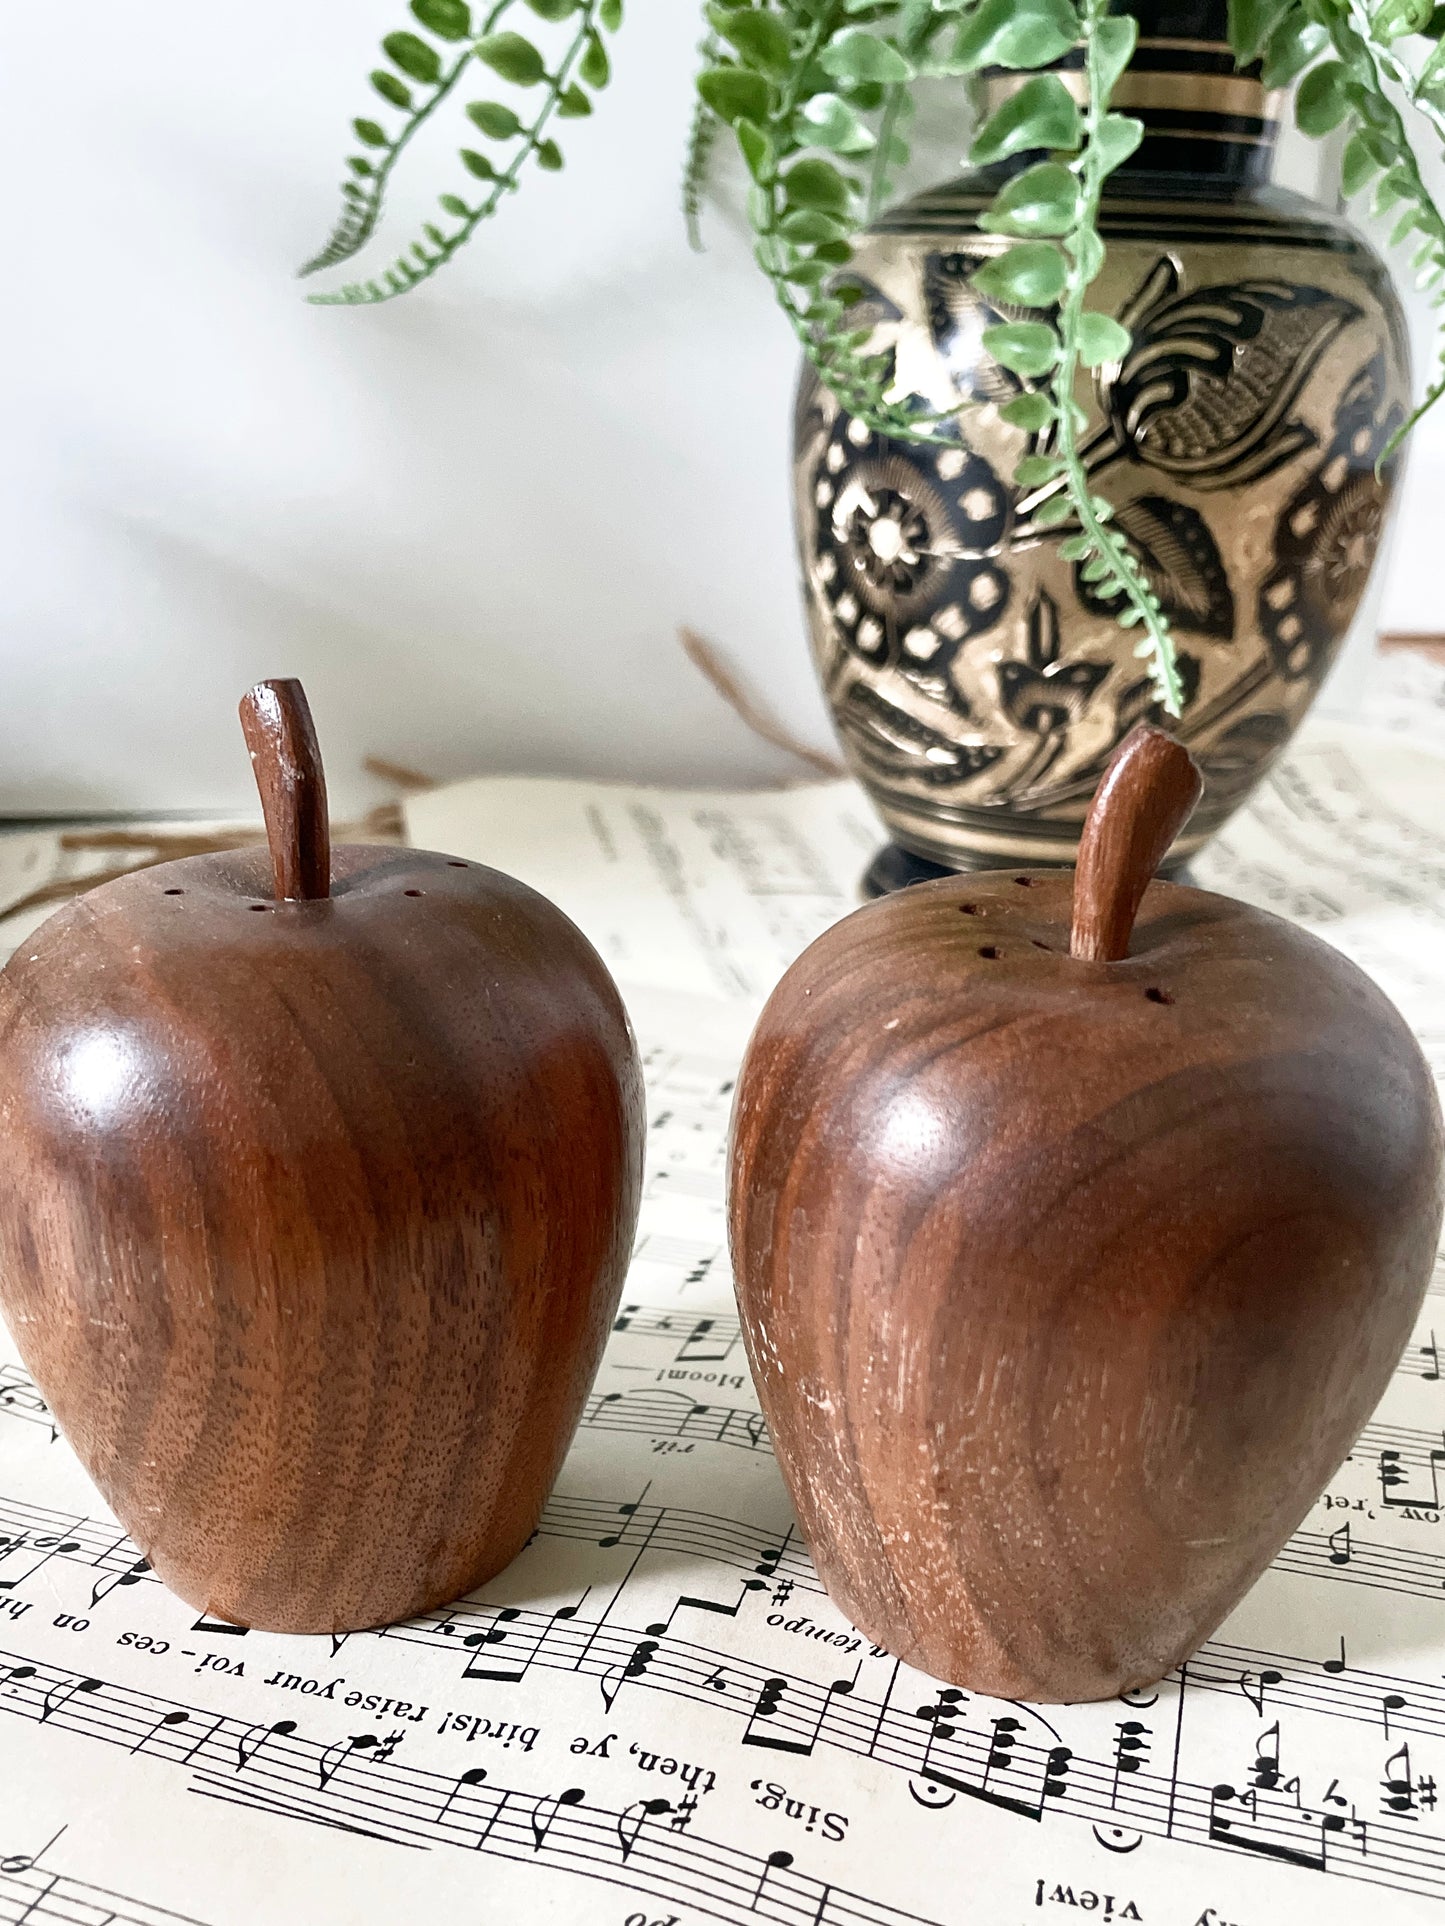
(655, 1717)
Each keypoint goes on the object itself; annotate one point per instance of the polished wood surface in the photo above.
(1145, 796)
(286, 759)
(1067, 1284)
(315, 1214)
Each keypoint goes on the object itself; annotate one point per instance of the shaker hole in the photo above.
(990, 950)
(411, 892)
(1158, 996)
(175, 892)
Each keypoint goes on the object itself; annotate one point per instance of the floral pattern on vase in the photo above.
(978, 681)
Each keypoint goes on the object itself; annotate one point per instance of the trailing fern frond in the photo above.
(818, 95)
(702, 136)
(364, 195)
(561, 95)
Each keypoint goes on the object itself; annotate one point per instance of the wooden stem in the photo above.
(280, 735)
(1146, 796)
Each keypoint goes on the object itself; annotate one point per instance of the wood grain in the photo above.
(1145, 797)
(315, 1216)
(1067, 1284)
(286, 759)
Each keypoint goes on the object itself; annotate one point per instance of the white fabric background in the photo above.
(471, 519)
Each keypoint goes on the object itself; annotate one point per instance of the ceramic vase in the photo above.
(977, 682)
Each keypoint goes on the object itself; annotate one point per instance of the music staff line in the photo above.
(30, 1895)
(358, 1784)
(931, 1743)
(365, 1788)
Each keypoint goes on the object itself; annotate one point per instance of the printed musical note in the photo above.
(612, 1682)
(545, 1811)
(366, 1744)
(795, 1726)
(32, 1895)
(474, 1776)
(62, 1690)
(633, 1818)
(250, 1742)
(775, 1864)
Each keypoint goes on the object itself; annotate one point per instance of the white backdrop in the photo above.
(471, 519)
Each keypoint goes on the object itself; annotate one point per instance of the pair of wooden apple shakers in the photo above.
(320, 1182)
(1077, 1224)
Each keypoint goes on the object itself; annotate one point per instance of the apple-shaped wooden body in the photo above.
(314, 1215)
(1067, 1282)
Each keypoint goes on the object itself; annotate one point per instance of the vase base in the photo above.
(895, 868)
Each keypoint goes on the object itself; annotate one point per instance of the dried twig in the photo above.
(701, 654)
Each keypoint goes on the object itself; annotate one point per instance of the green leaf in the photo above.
(868, 95)
(610, 14)
(1251, 22)
(1041, 114)
(390, 88)
(368, 131)
(1034, 470)
(447, 19)
(455, 205)
(1392, 19)
(359, 166)
(856, 54)
(835, 253)
(1100, 339)
(816, 183)
(808, 225)
(1116, 139)
(761, 38)
(1032, 412)
(494, 120)
(1115, 39)
(549, 155)
(594, 66)
(1044, 199)
(1322, 102)
(828, 121)
(757, 150)
(553, 9)
(1014, 33)
(573, 104)
(1058, 508)
(414, 56)
(1358, 165)
(1032, 275)
(513, 57)
(1290, 49)
(1395, 184)
(1076, 549)
(1026, 347)
(1088, 252)
(734, 94)
(478, 164)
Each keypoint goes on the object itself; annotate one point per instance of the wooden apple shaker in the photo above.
(1078, 1224)
(318, 1181)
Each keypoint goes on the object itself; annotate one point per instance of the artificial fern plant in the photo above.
(818, 95)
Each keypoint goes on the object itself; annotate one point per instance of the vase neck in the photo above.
(1205, 122)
